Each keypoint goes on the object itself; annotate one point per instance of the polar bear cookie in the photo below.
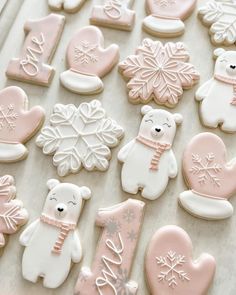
(210, 178)
(148, 160)
(218, 95)
(52, 241)
(70, 6)
(166, 16)
(170, 268)
(88, 61)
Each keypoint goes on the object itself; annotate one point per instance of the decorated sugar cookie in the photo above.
(115, 252)
(115, 14)
(52, 242)
(42, 37)
(220, 16)
(167, 16)
(88, 61)
(80, 137)
(170, 268)
(210, 178)
(70, 6)
(17, 123)
(158, 72)
(12, 213)
(218, 95)
(148, 160)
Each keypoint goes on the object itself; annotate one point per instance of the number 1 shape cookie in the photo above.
(70, 6)
(170, 268)
(41, 41)
(209, 176)
(166, 16)
(88, 61)
(115, 251)
(115, 14)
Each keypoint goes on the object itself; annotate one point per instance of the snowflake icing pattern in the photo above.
(79, 136)
(112, 227)
(8, 117)
(129, 215)
(159, 71)
(121, 282)
(84, 53)
(206, 170)
(172, 263)
(132, 236)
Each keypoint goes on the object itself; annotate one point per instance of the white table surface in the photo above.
(216, 238)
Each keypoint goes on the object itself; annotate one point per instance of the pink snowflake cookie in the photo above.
(209, 176)
(170, 268)
(159, 72)
(12, 213)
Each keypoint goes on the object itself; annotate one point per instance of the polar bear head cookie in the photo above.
(52, 241)
(148, 159)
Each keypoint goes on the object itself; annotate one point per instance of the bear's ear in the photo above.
(146, 109)
(178, 118)
(51, 183)
(85, 192)
(218, 52)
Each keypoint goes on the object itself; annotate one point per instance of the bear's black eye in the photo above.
(73, 203)
(168, 125)
(149, 120)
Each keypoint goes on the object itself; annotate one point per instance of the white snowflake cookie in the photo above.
(80, 137)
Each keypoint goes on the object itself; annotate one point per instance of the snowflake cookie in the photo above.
(80, 137)
(70, 6)
(158, 71)
(220, 16)
(17, 124)
(209, 176)
(170, 268)
(12, 213)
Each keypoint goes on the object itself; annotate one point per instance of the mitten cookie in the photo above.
(158, 72)
(52, 242)
(12, 213)
(112, 263)
(70, 6)
(170, 269)
(17, 124)
(42, 37)
(218, 95)
(115, 14)
(148, 160)
(80, 137)
(166, 16)
(88, 61)
(209, 176)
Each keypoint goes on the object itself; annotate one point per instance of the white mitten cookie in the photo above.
(70, 6)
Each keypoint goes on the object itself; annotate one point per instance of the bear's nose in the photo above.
(158, 129)
(233, 67)
(60, 209)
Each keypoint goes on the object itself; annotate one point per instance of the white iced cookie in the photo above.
(52, 241)
(148, 159)
(70, 6)
(218, 95)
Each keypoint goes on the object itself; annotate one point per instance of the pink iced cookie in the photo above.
(209, 176)
(12, 213)
(69, 6)
(115, 14)
(42, 38)
(88, 61)
(170, 268)
(17, 124)
(166, 16)
(115, 251)
(159, 71)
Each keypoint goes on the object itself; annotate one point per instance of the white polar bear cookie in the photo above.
(70, 6)
(218, 95)
(148, 159)
(52, 241)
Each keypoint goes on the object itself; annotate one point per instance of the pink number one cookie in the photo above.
(209, 176)
(88, 61)
(170, 269)
(42, 38)
(115, 251)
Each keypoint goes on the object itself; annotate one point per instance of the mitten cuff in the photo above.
(10, 152)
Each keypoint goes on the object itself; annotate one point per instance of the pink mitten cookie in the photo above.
(52, 242)
(70, 6)
(17, 123)
(158, 72)
(12, 213)
(41, 41)
(115, 14)
(170, 269)
(115, 251)
(209, 176)
(167, 16)
(88, 61)
(148, 160)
